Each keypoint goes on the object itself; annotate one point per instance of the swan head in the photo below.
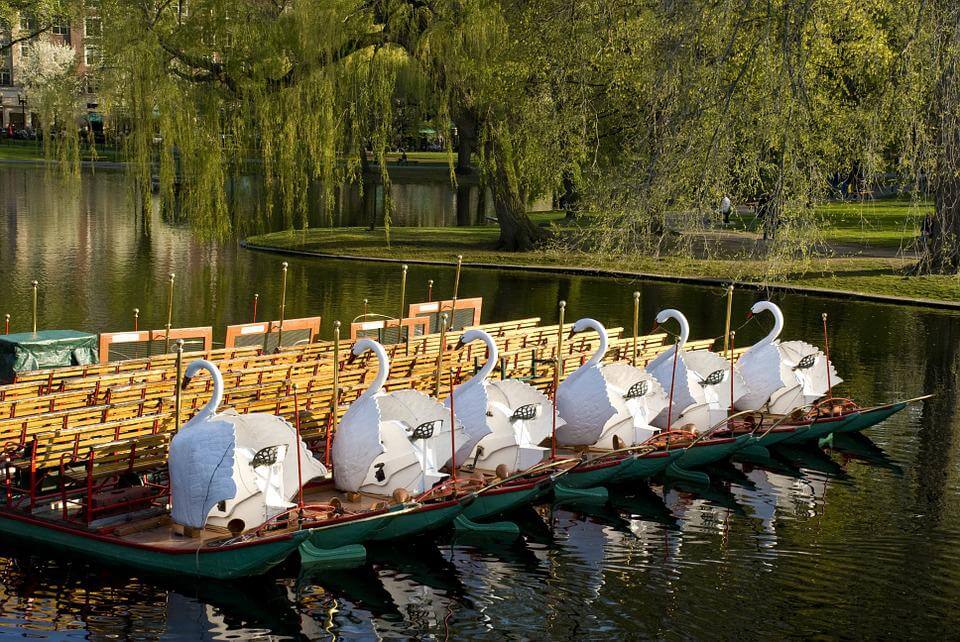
(665, 315)
(470, 336)
(361, 346)
(585, 324)
(764, 306)
(193, 368)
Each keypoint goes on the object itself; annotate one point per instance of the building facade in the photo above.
(81, 35)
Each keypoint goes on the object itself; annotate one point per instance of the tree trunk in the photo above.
(940, 233)
(466, 140)
(517, 231)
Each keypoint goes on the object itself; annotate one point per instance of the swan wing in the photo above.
(471, 403)
(662, 370)
(356, 444)
(201, 468)
(513, 394)
(256, 431)
(706, 365)
(585, 405)
(809, 365)
(414, 408)
(760, 367)
(627, 382)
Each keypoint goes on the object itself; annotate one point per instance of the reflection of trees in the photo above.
(937, 418)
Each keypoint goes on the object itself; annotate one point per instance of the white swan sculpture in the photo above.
(782, 376)
(701, 394)
(607, 405)
(232, 470)
(506, 420)
(388, 441)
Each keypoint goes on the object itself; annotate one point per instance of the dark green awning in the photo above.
(45, 349)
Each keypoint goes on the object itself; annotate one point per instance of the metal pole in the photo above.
(726, 330)
(256, 299)
(136, 319)
(553, 430)
(166, 337)
(456, 278)
(443, 345)
(177, 385)
(6, 323)
(336, 390)
(403, 290)
(826, 349)
(453, 434)
(35, 289)
(365, 303)
(563, 307)
(673, 377)
(296, 423)
(636, 325)
(732, 336)
(429, 290)
(283, 304)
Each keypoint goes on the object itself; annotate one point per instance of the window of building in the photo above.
(92, 28)
(91, 55)
(61, 26)
(5, 78)
(27, 22)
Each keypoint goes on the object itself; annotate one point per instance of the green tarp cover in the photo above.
(45, 349)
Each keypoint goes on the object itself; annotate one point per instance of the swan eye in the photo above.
(806, 362)
(638, 389)
(525, 413)
(265, 457)
(713, 378)
(425, 430)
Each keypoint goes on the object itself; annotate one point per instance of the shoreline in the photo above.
(627, 274)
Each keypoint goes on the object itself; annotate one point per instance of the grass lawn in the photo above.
(881, 224)
(32, 150)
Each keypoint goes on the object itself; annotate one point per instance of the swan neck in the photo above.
(602, 348)
(217, 397)
(383, 371)
(492, 356)
(777, 325)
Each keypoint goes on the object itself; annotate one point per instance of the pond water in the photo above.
(861, 540)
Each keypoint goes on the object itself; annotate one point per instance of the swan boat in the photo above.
(506, 425)
(227, 510)
(789, 389)
(622, 402)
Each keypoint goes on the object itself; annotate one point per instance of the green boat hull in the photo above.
(229, 562)
(871, 417)
(494, 503)
(417, 521)
(711, 453)
(586, 476)
(352, 532)
(773, 438)
(819, 429)
(647, 466)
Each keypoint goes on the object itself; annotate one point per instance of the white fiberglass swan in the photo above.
(232, 470)
(388, 441)
(607, 405)
(701, 393)
(782, 375)
(506, 420)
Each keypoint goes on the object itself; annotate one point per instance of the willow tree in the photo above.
(302, 89)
